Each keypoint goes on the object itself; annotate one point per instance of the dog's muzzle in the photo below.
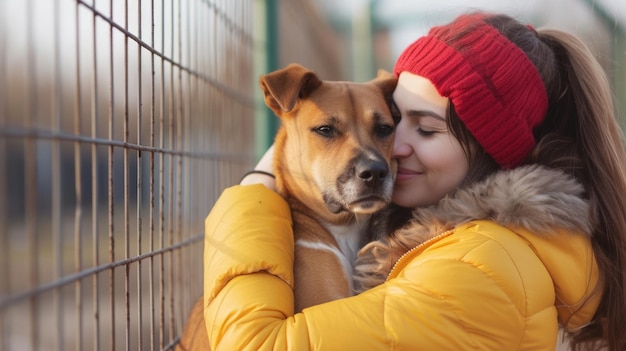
(365, 187)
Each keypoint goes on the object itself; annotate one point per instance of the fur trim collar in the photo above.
(533, 197)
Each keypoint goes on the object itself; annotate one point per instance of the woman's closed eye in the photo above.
(427, 123)
(426, 132)
(428, 126)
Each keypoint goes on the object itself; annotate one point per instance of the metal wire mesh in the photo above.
(120, 122)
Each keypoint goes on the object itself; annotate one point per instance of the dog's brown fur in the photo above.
(333, 165)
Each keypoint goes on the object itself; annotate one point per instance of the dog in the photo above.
(333, 165)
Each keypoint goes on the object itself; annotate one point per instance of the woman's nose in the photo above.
(401, 148)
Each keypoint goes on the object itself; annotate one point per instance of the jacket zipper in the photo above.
(436, 237)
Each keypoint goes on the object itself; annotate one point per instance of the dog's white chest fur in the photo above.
(349, 238)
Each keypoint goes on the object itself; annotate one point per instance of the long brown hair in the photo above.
(580, 135)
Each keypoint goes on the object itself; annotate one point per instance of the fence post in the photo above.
(617, 56)
(362, 50)
(266, 59)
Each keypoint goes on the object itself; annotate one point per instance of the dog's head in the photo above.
(333, 151)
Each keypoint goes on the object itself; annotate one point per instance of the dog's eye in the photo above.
(325, 131)
(383, 130)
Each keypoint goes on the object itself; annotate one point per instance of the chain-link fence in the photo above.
(120, 123)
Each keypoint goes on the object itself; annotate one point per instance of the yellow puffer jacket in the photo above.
(482, 285)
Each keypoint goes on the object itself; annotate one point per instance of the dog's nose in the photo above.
(372, 172)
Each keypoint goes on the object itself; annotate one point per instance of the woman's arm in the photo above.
(249, 228)
(265, 165)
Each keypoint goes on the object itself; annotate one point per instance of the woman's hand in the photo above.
(265, 165)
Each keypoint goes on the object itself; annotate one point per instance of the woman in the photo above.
(509, 221)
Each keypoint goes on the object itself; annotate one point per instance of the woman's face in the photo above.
(431, 161)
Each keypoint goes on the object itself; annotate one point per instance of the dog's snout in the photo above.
(372, 172)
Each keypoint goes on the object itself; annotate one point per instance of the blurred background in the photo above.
(121, 121)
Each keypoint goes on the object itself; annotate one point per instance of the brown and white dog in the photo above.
(333, 165)
(332, 162)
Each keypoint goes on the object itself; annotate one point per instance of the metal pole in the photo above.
(362, 41)
(266, 59)
(617, 78)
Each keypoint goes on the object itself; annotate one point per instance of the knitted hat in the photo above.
(494, 87)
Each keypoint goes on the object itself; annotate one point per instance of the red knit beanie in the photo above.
(494, 87)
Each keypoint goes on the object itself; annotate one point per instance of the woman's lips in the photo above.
(405, 174)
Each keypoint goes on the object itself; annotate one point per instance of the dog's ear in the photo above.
(283, 88)
(386, 81)
(384, 74)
